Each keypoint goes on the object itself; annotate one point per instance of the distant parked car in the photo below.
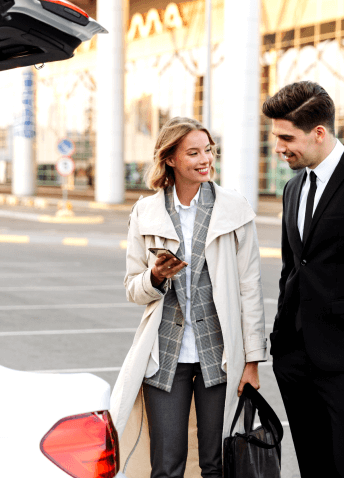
(62, 417)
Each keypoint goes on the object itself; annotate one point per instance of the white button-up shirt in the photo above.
(323, 171)
(187, 216)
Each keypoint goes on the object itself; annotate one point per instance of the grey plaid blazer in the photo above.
(204, 317)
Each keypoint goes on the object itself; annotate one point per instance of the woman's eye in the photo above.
(192, 154)
(208, 150)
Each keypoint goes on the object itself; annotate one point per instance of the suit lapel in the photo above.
(179, 281)
(204, 210)
(334, 182)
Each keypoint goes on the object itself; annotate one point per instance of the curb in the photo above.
(26, 216)
(43, 203)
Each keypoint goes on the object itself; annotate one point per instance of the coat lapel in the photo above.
(231, 211)
(179, 280)
(154, 219)
(334, 182)
(204, 210)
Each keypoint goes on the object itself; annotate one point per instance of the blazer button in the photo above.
(303, 262)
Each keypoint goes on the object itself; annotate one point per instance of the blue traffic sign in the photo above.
(66, 147)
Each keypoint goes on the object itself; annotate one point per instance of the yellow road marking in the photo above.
(72, 219)
(15, 239)
(273, 252)
(75, 241)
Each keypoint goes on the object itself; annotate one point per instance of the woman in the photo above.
(202, 333)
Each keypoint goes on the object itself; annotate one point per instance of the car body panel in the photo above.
(34, 8)
(30, 404)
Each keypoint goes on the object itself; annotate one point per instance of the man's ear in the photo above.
(320, 133)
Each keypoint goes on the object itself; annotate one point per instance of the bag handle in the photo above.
(266, 413)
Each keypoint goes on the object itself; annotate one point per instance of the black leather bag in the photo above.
(257, 452)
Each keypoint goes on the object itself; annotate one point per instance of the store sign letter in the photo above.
(154, 24)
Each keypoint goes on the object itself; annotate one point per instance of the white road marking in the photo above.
(38, 264)
(67, 306)
(67, 332)
(61, 288)
(79, 370)
(270, 301)
(65, 275)
(265, 364)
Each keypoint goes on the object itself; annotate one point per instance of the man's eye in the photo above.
(208, 150)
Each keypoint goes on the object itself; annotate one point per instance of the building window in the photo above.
(198, 99)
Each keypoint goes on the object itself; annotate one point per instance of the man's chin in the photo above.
(295, 166)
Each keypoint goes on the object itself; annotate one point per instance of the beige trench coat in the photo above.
(233, 260)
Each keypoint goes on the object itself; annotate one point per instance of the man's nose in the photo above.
(280, 147)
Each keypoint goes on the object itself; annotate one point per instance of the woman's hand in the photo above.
(251, 376)
(165, 267)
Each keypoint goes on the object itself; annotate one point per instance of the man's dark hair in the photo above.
(305, 104)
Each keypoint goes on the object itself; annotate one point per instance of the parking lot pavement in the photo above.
(64, 309)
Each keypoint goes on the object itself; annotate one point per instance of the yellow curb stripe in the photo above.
(71, 220)
(75, 241)
(113, 207)
(272, 252)
(14, 239)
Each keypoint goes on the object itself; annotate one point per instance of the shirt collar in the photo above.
(178, 204)
(325, 169)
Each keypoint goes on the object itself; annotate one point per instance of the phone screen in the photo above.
(161, 251)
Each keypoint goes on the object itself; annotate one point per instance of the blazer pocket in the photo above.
(338, 307)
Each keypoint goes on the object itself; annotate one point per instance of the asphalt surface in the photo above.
(63, 307)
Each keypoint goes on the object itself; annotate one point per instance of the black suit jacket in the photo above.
(312, 276)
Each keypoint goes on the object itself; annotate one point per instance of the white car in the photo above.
(51, 425)
(39, 31)
(54, 425)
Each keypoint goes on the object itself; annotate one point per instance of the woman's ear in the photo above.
(170, 162)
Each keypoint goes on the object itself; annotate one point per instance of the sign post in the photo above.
(65, 166)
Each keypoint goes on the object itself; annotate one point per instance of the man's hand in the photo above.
(250, 375)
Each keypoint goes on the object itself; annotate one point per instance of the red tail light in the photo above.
(84, 446)
(68, 5)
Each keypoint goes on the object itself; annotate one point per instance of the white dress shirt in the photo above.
(187, 216)
(323, 172)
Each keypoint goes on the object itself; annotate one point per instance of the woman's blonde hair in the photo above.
(159, 174)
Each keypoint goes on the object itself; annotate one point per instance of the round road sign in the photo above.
(65, 166)
(66, 147)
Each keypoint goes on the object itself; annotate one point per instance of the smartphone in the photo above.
(160, 251)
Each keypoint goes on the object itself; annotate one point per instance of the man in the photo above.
(307, 342)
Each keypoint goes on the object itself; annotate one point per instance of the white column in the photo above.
(207, 76)
(23, 170)
(241, 83)
(110, 103)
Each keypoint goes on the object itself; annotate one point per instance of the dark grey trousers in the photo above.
(168, 418)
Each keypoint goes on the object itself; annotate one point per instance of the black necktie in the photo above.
(309, 205)
(306, 228)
